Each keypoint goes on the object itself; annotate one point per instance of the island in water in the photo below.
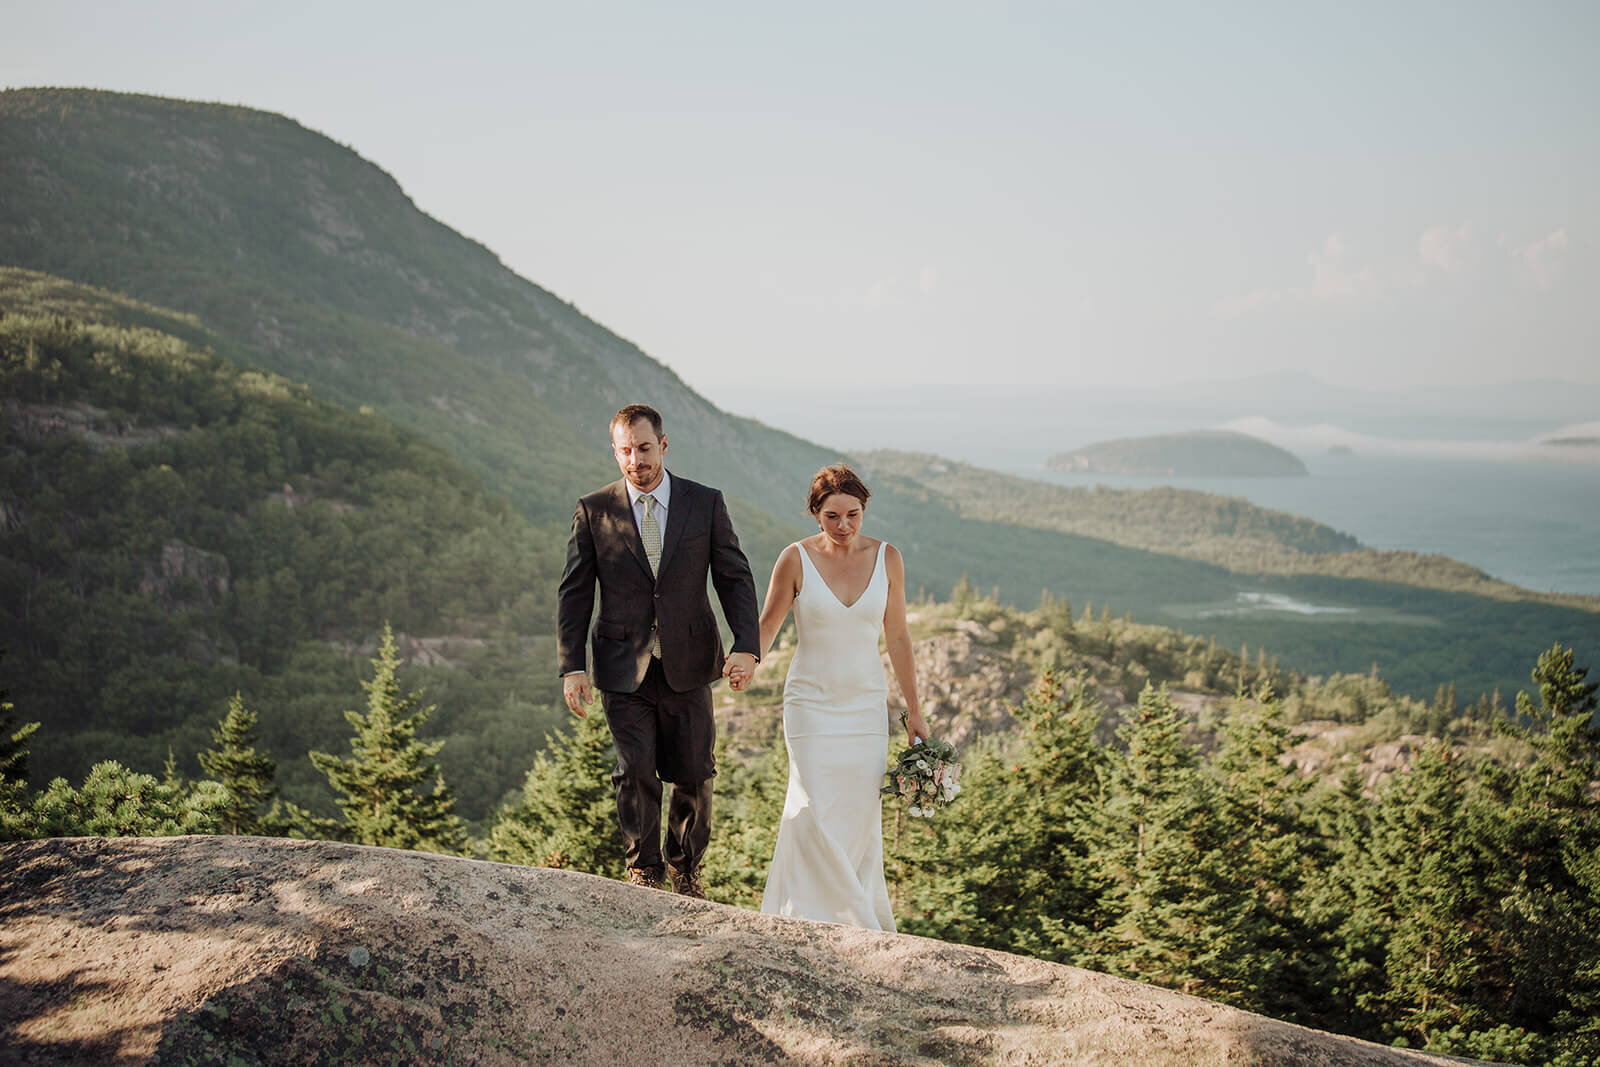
(1197, 453)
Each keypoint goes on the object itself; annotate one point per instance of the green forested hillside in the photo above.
(1222, 530)
(177, 528)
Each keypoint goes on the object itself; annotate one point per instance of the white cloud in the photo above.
(1333, 280)
(1332, 277)
(1447, 249)
(1545, 258)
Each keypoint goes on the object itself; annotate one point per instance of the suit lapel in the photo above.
(677, 516)
(625, 528)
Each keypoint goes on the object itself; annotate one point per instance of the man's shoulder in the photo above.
(683, 485)
(604, 495)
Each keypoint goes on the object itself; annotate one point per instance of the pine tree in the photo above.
(1158, 830)
(1347, 902)
(1055, 614)
(13, 744)
(387, 797)
(1268, 958)
(567, 814)
(117, 802)
(244, 772)
(1429, 884)
(749, 808)
(15, 818)
(1565, 736)
(1006, 866)
(964, 594)
(1545, 828)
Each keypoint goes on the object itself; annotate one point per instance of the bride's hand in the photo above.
(916, 727)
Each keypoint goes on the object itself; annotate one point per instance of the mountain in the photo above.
(1198, 453)
(175, 528)
(311, 262)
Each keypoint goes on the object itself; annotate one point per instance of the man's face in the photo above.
(639, 453)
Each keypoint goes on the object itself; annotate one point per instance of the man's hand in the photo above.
(739, 670)
(575, 688)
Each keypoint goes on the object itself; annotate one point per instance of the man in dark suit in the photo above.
(649, 540)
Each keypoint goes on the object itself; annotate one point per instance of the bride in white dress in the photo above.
(845, 590)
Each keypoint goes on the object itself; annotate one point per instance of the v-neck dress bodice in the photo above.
(828, 862)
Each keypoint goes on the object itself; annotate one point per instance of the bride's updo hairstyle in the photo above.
(836, 478)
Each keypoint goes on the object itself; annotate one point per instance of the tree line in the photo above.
(1455, 907)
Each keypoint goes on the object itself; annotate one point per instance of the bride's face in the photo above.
(840, 518)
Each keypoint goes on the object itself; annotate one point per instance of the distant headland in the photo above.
(1198, 453)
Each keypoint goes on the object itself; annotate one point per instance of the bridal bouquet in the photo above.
(925, 777)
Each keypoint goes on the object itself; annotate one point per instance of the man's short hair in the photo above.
(633, 413)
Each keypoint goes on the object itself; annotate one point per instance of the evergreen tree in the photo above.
(1158, 833)
(1346, 901)
(567, 814)
(964, 594)
(1055, 614)
(1007, 867)
(1268, 959)
(13, 744)
(387, 798)
(244, 772)
(117, 802)
(1545, 826)
(1565, 736)
(1430, 887)
(749, 808)
(15, 819)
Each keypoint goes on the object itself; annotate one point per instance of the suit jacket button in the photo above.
(658, 596)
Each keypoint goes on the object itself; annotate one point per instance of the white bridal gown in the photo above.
(828, 863)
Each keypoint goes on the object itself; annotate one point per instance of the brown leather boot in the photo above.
(644, 876)
(686, 884)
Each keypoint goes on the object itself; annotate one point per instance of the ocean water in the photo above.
(1427, 472)
(1536, 525)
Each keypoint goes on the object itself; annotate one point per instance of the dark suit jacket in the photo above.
(605, 547)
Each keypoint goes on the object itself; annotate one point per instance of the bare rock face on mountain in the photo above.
(967, 685)
(228, 949)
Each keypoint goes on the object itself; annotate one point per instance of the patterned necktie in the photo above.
(650, 531)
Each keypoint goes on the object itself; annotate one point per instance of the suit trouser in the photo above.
(663, 736)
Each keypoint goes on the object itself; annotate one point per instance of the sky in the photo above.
(872, 196)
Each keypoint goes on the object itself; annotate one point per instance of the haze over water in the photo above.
(1428, 474)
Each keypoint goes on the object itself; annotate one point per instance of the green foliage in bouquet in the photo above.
(926, 776)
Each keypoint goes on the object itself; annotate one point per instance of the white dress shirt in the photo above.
(662, 493)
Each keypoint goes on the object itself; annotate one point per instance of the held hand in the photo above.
(916, 728)
(739, 670)
(575, 688)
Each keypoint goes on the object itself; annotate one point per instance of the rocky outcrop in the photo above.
(95, 426)
(249, 950)
(966, 683)
(184, 576)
